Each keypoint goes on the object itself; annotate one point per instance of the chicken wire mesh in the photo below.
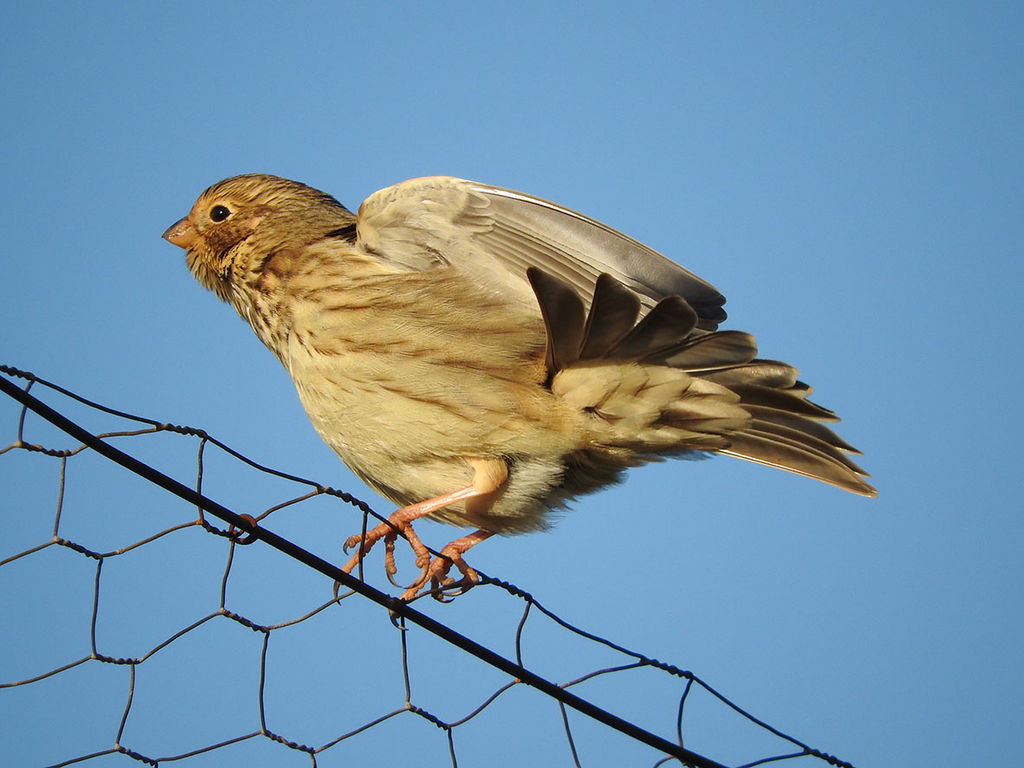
(139, 625)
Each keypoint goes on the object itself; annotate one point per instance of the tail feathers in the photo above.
(799, 437)
(812, 429)
(802, 457)
(663, 386)
(792, 400)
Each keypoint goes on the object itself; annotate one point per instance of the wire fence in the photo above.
(135, 624)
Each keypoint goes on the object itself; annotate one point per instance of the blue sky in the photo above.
(849, 176)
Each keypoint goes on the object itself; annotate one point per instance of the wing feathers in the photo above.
(498, 234)
(661, 385)
(599, 248)
(562, 311)
(613, 312)
(663, 328)
(714, 350)
(770, 373)
(514, 242)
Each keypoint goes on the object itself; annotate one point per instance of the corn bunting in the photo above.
(482, 356)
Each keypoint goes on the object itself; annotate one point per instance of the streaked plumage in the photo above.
(455, 335)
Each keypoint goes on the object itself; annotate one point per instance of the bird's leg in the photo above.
(401, 521)
(451, 555)
(488, 476)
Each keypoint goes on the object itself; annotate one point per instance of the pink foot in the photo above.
(441, 585)
(400, 522)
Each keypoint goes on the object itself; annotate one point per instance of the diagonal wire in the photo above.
(394, 605)
(529, 600)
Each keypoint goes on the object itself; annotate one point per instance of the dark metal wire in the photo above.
(399, 611)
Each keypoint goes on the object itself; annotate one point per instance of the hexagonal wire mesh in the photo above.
(163, 637)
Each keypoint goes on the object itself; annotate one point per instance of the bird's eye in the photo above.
(219, 213)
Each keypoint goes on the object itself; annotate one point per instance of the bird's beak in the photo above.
(181, 233)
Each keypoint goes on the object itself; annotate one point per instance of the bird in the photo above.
(483, 357)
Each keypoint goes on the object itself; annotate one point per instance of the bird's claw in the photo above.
(388, 531)
(433, 576)
(444, 588)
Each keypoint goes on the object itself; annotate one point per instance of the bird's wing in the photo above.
(438, 220)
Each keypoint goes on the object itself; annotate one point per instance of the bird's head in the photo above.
(239, 222)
